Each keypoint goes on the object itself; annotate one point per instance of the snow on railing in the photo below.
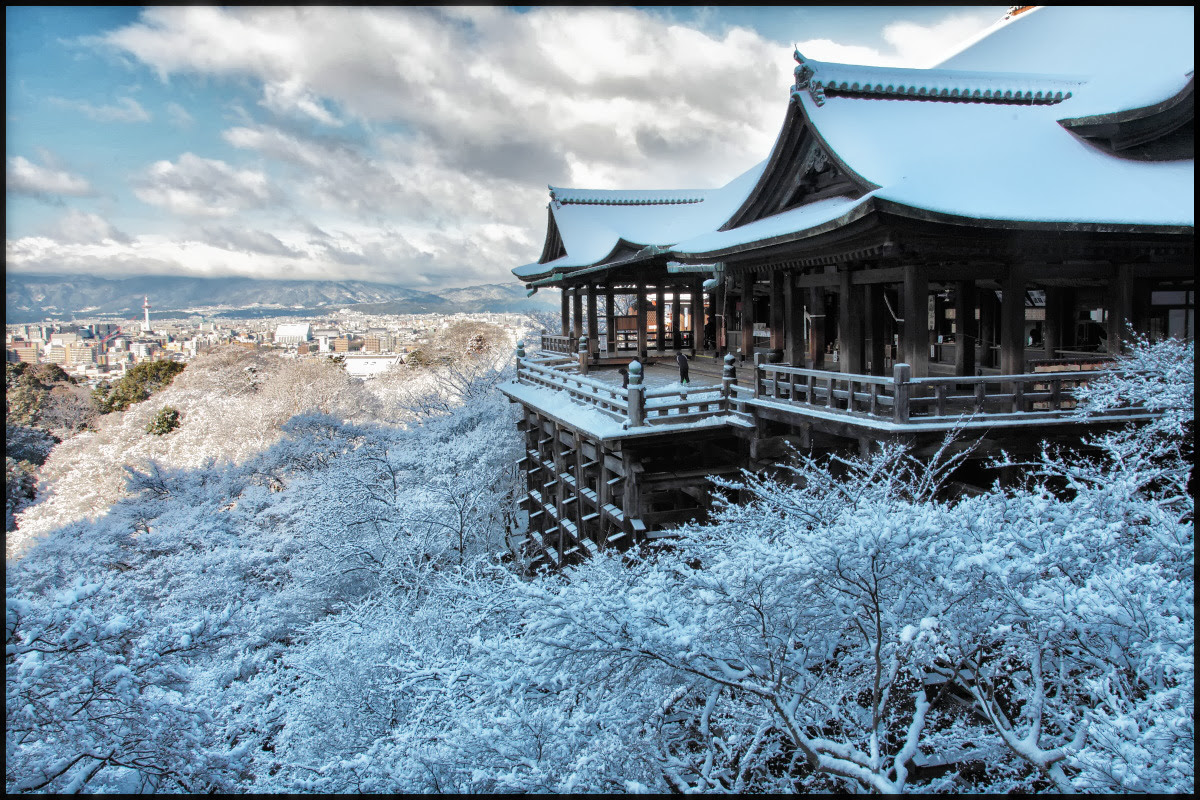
(636, 405)
(898, 398)
(902, 398)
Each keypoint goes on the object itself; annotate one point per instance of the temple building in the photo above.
(923, 250)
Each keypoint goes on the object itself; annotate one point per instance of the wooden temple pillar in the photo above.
(566, 311)
(816, 327)
(697, 298)
(1120, 306)
(850, 324)
(915, 335)
(775, 320)
(610, 321)
(1012, 322)
(576, 313)
(726, 326)
(593, 324)
(747, 351)
(988, 317)
(676, 320)
(641, 320)
(660, 307)
(965, 328)
(876, 328)
(1058, 320)
(793, 322)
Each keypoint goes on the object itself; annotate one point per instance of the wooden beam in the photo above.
(1012, 322)
(593, 324)
(793, 323)
(726, 321)
(566, 313)
(610, 321)
(988, 327)
(850, 319)
(576, 312)
(1120, 306)
(747, 315)
(816, 327)
(660, 307)
(676, 319)
(965, 328)
(876, 327)
(641, 320)
(915, 333)
(1058, 320)
(776, 319)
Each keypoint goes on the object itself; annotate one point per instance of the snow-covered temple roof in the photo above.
(1045, 119)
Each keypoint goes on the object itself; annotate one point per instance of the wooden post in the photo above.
(660, 307)
(726, 314)
(877, 327)
(965, 329)
(1120, 306)
(816, 327)
(984, 354)
(576, 312)
(759, 375)
(1057, 321)
(775, 320)
(566, 312)
(901, 374)
(698, 321)
(637, 396)
(560, 492)
(593, 324)
(1012, 322)
(610, 321)
(676, 320)
(850, 325)
(793, 323)
(747, 314)
(641, 320)
(916, 320)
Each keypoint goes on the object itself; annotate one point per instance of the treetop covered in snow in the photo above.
(1009, 132)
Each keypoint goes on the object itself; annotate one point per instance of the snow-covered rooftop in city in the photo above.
(1000, 134)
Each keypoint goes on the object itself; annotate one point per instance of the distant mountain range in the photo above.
(32, 298)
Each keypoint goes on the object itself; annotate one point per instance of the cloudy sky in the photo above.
(399, 145)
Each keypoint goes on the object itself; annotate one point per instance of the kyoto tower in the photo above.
(146, 308)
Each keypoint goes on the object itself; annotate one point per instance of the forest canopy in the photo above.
(331, 604)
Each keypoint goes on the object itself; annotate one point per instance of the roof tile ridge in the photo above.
(937, 84)
(642, 197)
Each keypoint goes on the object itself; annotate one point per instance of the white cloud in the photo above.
(24, 177)
(81, 227)
(450, 123)
(202, 187)
(126, 110)
(290, 98)
(179, 116)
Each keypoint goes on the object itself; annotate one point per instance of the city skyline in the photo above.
(398, 146)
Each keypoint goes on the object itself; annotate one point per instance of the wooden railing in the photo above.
(557, 344)
(901, 398)
(898, 398)
(637, 405)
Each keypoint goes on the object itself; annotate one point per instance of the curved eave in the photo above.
(1136, 126)
(1062, 226)
(790, 133)
(880, 207)
(618, 256)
